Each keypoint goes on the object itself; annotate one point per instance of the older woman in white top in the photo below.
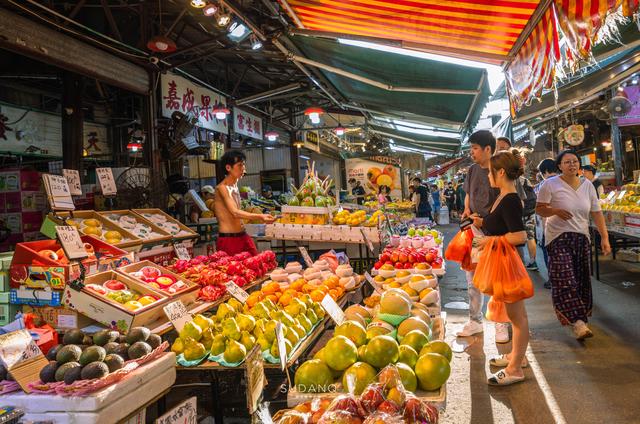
(567, 201)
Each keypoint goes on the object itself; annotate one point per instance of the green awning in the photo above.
(407, 139)
(396, 70)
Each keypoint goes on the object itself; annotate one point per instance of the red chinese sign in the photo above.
(182, 95)
(247, 124)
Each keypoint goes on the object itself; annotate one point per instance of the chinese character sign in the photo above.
(182, 95)
(247, 124)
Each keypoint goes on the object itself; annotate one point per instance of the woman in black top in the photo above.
(505, 220)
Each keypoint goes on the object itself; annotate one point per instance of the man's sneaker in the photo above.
(581, 330)
(502, 332)
(533, 266)
(470, 328)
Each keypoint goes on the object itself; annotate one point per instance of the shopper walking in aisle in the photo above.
(450, 198)
(421, 199)
(567, 201)
(479, 198)
(504, 220)
(435, 196)
(546, 168)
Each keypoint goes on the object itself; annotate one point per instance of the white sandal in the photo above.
(503, 361)
(501, 378)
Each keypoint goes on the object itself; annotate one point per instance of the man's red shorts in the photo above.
(236, 244)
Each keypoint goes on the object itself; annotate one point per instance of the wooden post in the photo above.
(72, 121)
(295, 160)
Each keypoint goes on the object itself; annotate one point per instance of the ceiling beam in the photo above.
(268, 94)
(75, 11)
(110, 20)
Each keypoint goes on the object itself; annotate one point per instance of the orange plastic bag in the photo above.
(496, 311)
(460, 246)
(500, 272)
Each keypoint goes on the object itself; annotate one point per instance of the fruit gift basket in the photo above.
(161, 279)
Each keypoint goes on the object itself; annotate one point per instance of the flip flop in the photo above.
(501, 378)
(503, 361)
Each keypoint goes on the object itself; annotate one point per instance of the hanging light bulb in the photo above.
(314, 114)
(210, 9)
(256, 44)
(198, 4)
(134, 147)
(220, 112)
(223, 19)
(299, 144)
(339, 131)
(271, 135)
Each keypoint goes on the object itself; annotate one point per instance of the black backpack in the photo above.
(529, 206)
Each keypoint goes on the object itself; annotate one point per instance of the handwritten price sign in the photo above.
(235, 291)
(106, 181)
(71, 243)
(177, 314)
(73, 180)
(58, 192)
(305, 255)
(333, 309)
(181, 251)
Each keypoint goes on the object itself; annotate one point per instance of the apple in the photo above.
(147, 300)
(377, 265)
(429, 257)
(437, 264)
(394, 257)
(165, 280)
(115, 285)
(403, 257)
(408, 265)
(399, 265)
(133, 305)
(385, 257)
(150, 273)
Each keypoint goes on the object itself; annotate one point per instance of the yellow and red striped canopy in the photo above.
(477, 28)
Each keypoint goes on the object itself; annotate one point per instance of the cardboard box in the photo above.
(17, 180)
(111, 313)
(187, 296)
(35, 297)
(186, 233)
(58, 317)
(31, 270)
(163, 238)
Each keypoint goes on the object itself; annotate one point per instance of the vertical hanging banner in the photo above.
(247, 124)
(181, 95)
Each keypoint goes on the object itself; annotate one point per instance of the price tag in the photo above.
(73, 180)
(106, 181)
(22, 357)
(373, 283)
(181, 251)
(234, 290)
(71, 242)
(333, 309)
(366, 240)
(282, 347)
(184, 413)
(610, 196)
(621, 195)
(256, 380)
(305, 255)
(177, 314)
(58, 192)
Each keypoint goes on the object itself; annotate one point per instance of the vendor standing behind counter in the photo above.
(232, 237)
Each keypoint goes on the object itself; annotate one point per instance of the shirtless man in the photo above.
(232, 237)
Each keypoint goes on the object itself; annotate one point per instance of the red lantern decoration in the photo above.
(161, 44)
(220, 112)
(314, 114)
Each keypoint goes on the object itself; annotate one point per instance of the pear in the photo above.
(286, 319)
(306, 299)
(230, 329)
(218, 344)
(258, 330)
(234, 352)
(247, 340)
(246, 322)
(319, 310)
(301, 305)
(223, 311)
(311, 314)
(207, 338)
(299, 329)
(292, 336)
(275, 351)
(264, 343)
(269, 304)
(203, 321)
(305, 323)
(235, 303)
(270, 330)
(191, 330)
(192, 349)
(177, 347)
(259, 310)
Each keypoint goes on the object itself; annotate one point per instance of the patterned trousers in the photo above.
(570, 277)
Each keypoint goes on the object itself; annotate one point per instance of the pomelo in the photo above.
(408, 377)
(410, 324)
(408, 355)
(382, 351)
(340, 353)
(422, 314)
(437, 346)
(416, 339)
(313, 376)
(395, 304)
(357, 377)
(353, 331)
(432, 370)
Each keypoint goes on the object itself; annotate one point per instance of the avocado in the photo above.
(73, 337)
(103, 337)
(123, 350)
(94, 370)
(48, 373)
(92, 354)
(69, 353)
(114, 362)
(51, 354)
(110, 347)
(64, 368)
(139, 349)
(154, 341)
(83, 347)
(138, 334)
(87, 340)
(72, 375)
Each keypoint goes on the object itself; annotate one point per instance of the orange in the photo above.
(285, 299)
(331, 282)
(317, 295)
(253, 298)
(272, 297)
(298, 284)
(333, 293)
(308, 288)
(271, 288)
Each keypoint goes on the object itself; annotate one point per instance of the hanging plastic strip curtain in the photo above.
(582, 20)
(533, 68)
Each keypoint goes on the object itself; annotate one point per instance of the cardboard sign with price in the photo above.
(73, 179)
(181, 251)
(106, 181)
(305, 255)
(333, 309)
(282, 347)
(373, 283)
(177, 314)
(184, 413)
(256, 380)
(234, 290)
(58, 192)
(22, 357)
(71, 243)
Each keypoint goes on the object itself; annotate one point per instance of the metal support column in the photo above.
(616, 144)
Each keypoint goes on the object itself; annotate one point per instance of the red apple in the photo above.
(394, 257)
(413, 258)
(403, 257)
(377, 265)
(389, 406)
(115, 285)
(385, 257)
(408, 265)
(399, 265)
(429, 257)
(150, 273)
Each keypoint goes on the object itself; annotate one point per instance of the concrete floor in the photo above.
(597, 381)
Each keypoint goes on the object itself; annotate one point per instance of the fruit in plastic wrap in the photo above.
(418, 412)
(383, 418)
(347, 403)
(294, 417)
(339, 417)
(372, 397)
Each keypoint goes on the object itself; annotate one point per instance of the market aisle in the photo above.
(568, 382)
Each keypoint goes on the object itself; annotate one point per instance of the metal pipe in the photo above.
(291, 13)
(268, 94)
(475, 98)
(236, 11)
(378, 84)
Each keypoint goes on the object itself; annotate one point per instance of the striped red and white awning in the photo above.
(485, 29)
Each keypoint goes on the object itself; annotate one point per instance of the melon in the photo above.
(394, 303)
(412, 323)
